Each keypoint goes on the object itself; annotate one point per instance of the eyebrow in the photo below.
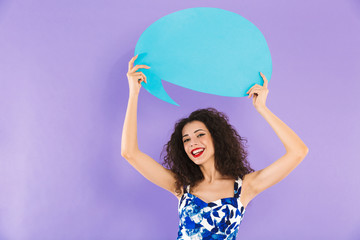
(194, 132)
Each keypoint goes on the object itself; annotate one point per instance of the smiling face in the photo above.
(196, 135)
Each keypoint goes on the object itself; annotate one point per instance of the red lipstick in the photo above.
(199, 154)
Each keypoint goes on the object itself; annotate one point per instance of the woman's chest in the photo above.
(210, 193)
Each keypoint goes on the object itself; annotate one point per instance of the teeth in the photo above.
(197, 151)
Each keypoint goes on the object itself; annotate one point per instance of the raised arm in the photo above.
(148, 167)
(129, 144)
(296, 150)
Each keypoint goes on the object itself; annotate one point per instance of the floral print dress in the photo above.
(219, 219)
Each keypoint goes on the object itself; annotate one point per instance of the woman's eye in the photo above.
(198, 136)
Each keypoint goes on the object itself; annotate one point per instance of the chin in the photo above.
(196, 161)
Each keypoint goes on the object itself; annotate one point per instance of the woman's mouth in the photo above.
(198, 154)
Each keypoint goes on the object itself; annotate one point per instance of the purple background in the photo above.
(63, 101)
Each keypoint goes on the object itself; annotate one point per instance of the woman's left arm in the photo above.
(296, 150)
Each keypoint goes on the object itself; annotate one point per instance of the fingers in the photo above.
(265, 80)
(254, 90)
(250, 90)
(132, 62)
(252, 94)
(134, 69)
(263, 76)
(131, 67)
(141, 77)
(144, 77)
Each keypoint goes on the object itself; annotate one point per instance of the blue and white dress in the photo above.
(219, 219)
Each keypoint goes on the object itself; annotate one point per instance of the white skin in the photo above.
(201, 139)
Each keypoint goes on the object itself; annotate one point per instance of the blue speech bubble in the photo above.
(208, 50)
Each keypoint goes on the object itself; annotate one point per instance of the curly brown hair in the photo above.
(230, 154)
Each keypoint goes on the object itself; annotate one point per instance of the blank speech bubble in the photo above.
(204, 49)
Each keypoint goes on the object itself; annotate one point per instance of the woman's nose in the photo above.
(193, 143)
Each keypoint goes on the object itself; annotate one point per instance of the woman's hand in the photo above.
(135, 78)
(259, 93)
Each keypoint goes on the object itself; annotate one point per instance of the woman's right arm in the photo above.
(148, 167)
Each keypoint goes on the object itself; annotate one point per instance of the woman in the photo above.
(208, 171)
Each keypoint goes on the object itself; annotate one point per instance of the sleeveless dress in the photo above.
(219, 219)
